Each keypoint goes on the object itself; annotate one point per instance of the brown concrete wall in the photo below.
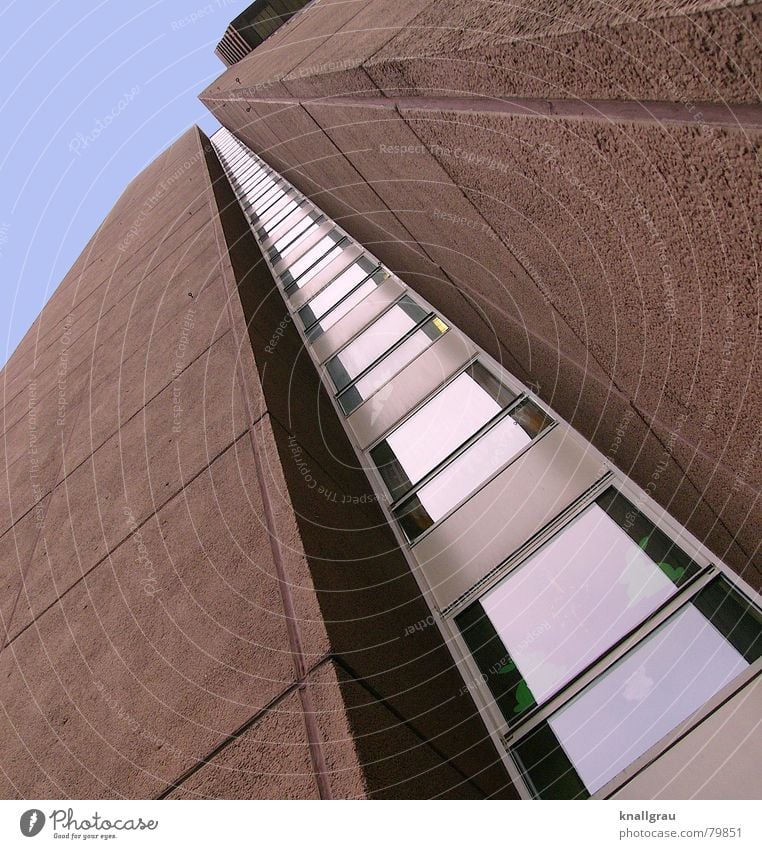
(415, 729)
(184, 614)
(573, 184)
(149, 645)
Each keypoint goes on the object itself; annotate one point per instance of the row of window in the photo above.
(603, 639)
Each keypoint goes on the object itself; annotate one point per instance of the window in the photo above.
(288, 214)
(271, 217)
(249, 175)
(601, 578)
(262, 199)
(382, 350)
(434, 499)
(347, 304)
(571, 601)
(291, 240)
(338, 288)
(438, 428)
(249, 183)
(312, 261)
(643, 696)
(375, 340)
(258, 188)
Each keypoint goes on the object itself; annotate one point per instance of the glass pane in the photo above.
(476, 464)
(394, 362)
(645, 696)
(290, 247)
(288, 216)
(289, 240)
(574, 599)
(251, 184)
(265, 200)
(374, 341)
(651, 690)
(261, 192)
(270, 218)
(312, 255)
(334, 292)
(250, 176)
(348, 304)
(245, 170)
(315, 269)
(444, 423)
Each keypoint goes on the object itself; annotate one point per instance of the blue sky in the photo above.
(92, 92)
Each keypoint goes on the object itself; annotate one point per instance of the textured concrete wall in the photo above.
(415, 728)
(182, 613)
(146, 640)
(575, 185)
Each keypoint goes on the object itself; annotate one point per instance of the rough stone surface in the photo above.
(609, 261)
(178, 598)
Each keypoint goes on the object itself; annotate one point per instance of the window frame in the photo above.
(287, 280)
(266, 214)
(388, 308)
(624, 647)
(609, 475)
(483, 431)
(306, 305)
(497, 373)
(708, 570)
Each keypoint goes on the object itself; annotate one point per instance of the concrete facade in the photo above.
(170, 627)
(573, 184)
(200, 595)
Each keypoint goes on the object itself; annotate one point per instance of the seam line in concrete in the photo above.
(40, 525)
(120, 425)
(717, 518)
(317, 757)
(123, 540)
(100, 317)
(89, 263)
(382, 527)
(378, 697)
(244, 727)
(731, 115)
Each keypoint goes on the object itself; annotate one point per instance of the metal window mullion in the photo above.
(453, 455)
(597, 668)
(528, 547)
(249, 194)
(410, 413)
(280, 253)
(388, 351)
(249, 206)
(257, 190)
(239, 163)
(681, 730)
(278, 221)
(260, 216)
(242, 161)
(243, 177)
(250, 201)
(340, 301)
(268, 242)
(294, 280)
(263, 218)
(367, 326)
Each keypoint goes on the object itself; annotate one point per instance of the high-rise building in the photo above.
(400, 439)
(256, 23)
